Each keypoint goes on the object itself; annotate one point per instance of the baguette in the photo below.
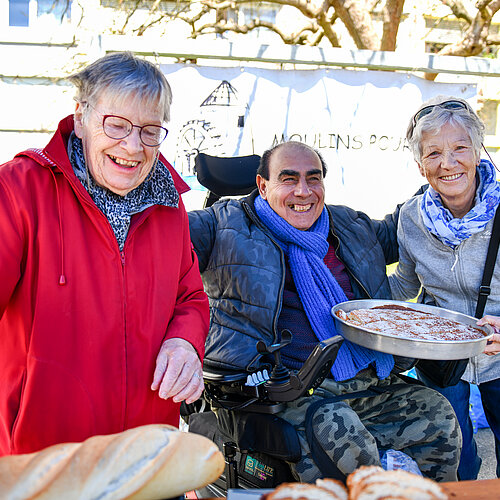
(146, 463)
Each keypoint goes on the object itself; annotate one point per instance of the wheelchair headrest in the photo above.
(227, 176)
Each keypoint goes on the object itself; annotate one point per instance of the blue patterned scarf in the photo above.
(157, 189)
(318, 289)
(439, 220)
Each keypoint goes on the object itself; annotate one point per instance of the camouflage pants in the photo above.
(414, 419)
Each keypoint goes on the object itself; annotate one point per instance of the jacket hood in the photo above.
(55, 157)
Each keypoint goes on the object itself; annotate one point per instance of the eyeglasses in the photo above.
(117, 127)
(451, 105)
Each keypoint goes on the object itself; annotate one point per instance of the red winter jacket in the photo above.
(77, 359)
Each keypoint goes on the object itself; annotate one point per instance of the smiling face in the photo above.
(295, 189)
(449, 163)
(118, 165)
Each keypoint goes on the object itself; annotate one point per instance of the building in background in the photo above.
(42, 41)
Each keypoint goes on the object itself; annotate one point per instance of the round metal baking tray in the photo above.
(421, 349)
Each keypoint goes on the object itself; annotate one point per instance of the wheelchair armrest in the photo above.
(228, 390)
(310, 376)
(223, 377)
(232, 386)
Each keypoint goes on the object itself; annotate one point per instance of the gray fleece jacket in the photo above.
(451, 277)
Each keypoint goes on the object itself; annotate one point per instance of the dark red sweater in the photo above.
(293, 316)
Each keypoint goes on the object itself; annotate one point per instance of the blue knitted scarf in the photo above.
(318, 289)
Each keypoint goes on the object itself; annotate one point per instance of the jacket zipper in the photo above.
(336, 248)
(84, 196)
(248, 209)
(86, 200)
(141, 217)
(473, 362)
(125, 397)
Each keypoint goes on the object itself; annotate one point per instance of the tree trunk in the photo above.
(392, 17)
(356, 18)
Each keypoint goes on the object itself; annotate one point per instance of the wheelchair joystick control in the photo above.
(229, 449)
(280, 373)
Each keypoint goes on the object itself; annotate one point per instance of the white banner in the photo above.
(356, 119)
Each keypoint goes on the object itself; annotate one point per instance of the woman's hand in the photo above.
(493, 346)
(178, 374)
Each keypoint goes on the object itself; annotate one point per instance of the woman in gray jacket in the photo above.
(443, 238)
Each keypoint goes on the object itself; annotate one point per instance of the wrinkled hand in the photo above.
(493, 346)
(178, 373)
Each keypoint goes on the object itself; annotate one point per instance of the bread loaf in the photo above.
(375, 483)
(303, 491)
(334, 486)
(355, 479)
(368, 482)
(146, 463)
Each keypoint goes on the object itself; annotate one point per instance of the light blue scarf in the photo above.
(439, 220)
(318, 289)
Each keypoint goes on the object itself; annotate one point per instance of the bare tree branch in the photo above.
(475, 39)
(372, 4)
(299, 38)
(482, 4)
(321, 24)
(144, 27)
(319, 20)
(458, 9)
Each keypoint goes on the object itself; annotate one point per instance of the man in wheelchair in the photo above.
(277, 261)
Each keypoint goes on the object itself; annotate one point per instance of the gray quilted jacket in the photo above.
(243, 272)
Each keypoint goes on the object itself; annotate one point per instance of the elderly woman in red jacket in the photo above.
(103, 317)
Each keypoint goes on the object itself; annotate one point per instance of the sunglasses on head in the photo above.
(452, 104)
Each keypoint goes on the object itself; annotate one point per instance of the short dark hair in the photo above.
(263, 169)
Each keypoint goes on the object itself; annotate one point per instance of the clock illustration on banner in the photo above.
(217, 130)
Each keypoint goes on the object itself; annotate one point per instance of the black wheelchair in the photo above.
(241, 417)
(238, 410)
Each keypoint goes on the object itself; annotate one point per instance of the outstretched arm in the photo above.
(387, 228)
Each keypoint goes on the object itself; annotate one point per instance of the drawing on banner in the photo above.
(220, 128)
(357, 120)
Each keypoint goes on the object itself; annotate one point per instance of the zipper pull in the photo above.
(122, 257)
